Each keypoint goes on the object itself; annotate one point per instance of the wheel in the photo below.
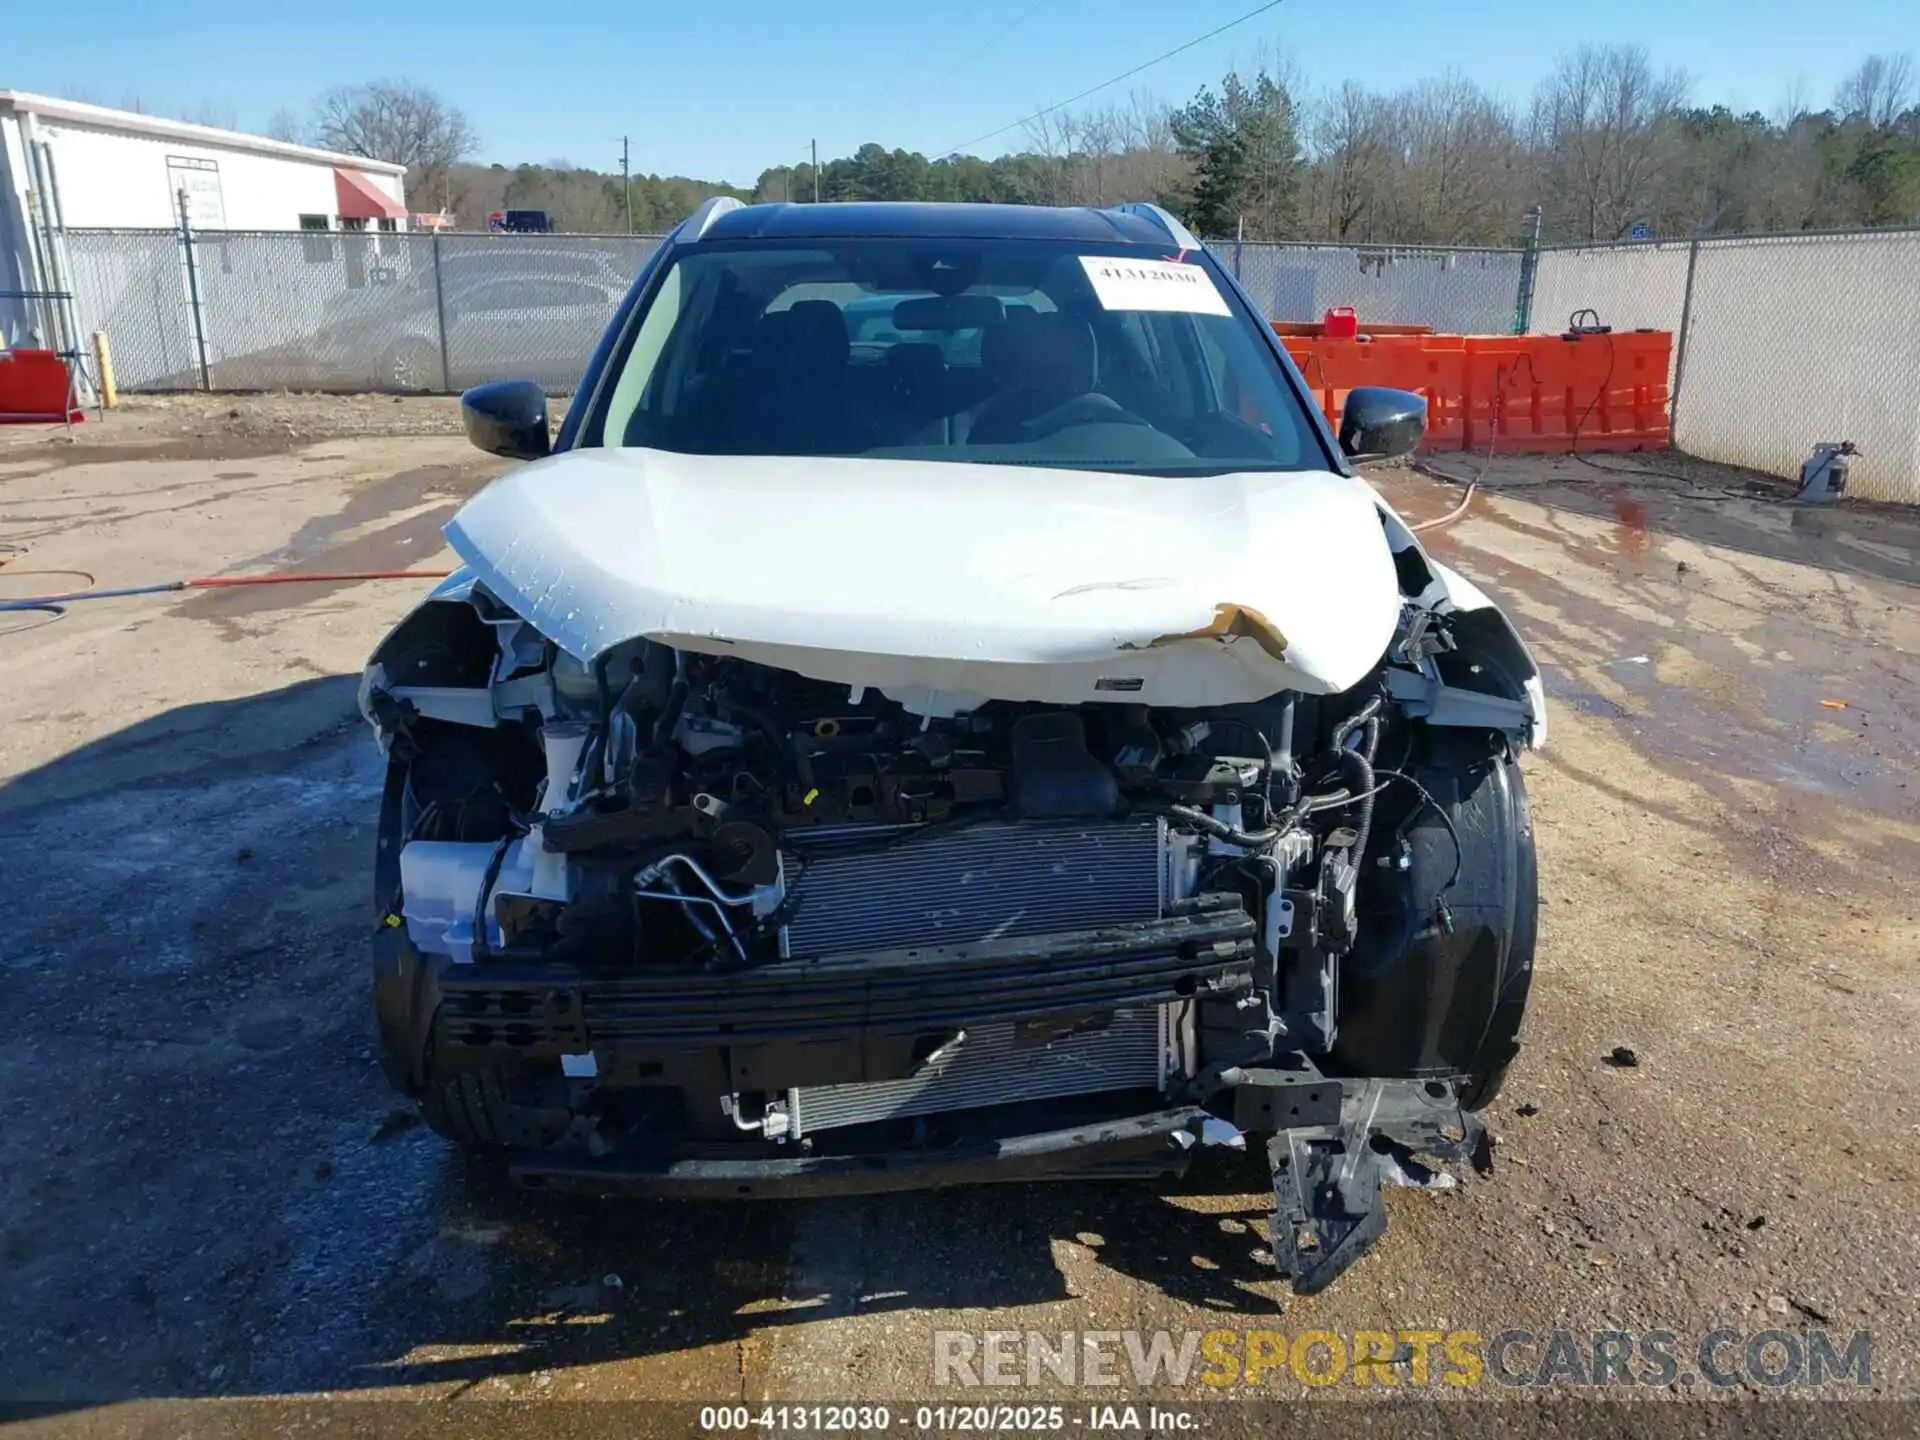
(1423, 998)
(411, 365)
(1502, 1041)
(497, 1109)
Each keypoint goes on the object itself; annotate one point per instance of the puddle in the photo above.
(1794, 679)
(1562, 692)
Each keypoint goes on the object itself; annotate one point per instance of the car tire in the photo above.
(496, 1108)
(1419, 1001)
(412, 366)
(1502, 1042)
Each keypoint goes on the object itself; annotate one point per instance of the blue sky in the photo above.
(725, 88)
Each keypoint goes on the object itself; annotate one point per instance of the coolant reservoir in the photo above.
(440, 884)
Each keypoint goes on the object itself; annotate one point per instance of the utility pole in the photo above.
(813, 147)
(626, 183)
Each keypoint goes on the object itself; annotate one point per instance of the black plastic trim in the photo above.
(538, 1008)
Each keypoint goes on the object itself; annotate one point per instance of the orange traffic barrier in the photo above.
(35, 388)
(1586, 390)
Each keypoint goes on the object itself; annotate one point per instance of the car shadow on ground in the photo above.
(213, 1192)
(579, 1282)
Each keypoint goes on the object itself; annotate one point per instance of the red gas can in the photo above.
(1341, 323)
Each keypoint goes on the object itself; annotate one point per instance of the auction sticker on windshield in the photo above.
(1123, 284)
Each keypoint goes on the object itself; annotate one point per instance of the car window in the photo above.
(531, 293)
(1015, 352)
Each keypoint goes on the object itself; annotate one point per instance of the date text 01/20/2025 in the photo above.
(945, 1419)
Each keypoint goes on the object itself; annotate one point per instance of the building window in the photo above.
(389, 226)
(352, 223)
(316, 249)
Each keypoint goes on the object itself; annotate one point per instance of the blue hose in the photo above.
(50, 602)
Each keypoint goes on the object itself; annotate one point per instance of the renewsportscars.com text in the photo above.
(1720, 1358)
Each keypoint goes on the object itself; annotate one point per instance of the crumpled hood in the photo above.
(944, 584)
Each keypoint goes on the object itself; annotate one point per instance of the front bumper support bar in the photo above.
(1132, 1145)
(1205, 946)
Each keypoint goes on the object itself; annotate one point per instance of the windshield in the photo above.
(1013, 352)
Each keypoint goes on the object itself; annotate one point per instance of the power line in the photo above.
(1104, 84)
(998, 36)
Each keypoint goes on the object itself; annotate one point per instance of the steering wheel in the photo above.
(1088, 409)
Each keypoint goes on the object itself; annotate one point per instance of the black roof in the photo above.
(956, 222)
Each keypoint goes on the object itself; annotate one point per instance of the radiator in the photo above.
(998, 1064)
(875, 889)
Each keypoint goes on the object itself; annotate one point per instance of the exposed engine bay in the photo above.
(679, 921)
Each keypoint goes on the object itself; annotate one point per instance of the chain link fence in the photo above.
(1630, 287)
(1794, 341)
(1780, 342)
(356, 311)
(1457, 292)
(133, 285)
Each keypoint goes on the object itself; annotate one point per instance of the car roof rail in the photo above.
(1176, 232)
(695, 225)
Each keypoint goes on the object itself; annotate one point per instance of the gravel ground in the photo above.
(209, 1192)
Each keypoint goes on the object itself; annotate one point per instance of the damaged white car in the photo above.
(945, 710)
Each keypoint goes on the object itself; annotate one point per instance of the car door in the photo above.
(531, 327)
(487, 331)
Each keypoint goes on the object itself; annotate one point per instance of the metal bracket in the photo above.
(1279, 1100)
(1326, 1178)
(1426, 697)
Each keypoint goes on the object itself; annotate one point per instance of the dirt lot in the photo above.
(209, 1191)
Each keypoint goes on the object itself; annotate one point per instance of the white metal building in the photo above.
(64, 164)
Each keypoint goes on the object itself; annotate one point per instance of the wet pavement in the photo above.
(208, 1189)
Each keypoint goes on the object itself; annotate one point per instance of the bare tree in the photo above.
(1879, 92)
(1793, 103)
(1151, 167)
(1052, 135)
(285, 125)
(1353, 148)
(401, 122)
(1608, 120)
(1462, 162)
(1103, 139)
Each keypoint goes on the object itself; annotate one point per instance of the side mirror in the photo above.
(1379, 423)
(508, 417)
